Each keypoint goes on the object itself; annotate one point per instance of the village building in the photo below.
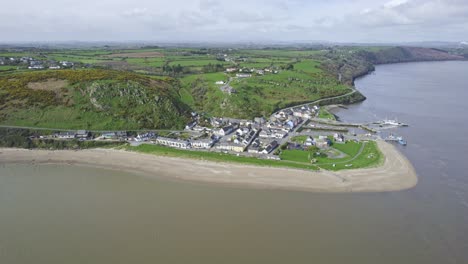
(243, 75)
(309, 142)
(65, 135)
(67, 64)
(82, 134)
(279, 134)
(174, 143)
(270, 147)
(265, 133)
(225, 130)
(216, 122)
(339, 138)
(253, 149)
(145, 136)
(114, 135)
(190, 125)
(242, 131)
(322, 143)
(202, 143)
(230, 147)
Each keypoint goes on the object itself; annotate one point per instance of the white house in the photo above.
(270, 147)
(280, 134)
(225, 130)
(309, 142)
(175, 143)
(230, 147)
(65, 135)
(202, 143)
(243, 75)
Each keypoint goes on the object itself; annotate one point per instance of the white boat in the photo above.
(391, 122)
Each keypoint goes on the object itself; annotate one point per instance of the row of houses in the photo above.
(273, 133)
(80, 134)
(251, 70)
(304, 112)
(186, 144)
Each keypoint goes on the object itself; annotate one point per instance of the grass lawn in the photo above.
(212, 156)
(369, 157)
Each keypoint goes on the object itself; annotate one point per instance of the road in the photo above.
(98, 131)
(319, 100)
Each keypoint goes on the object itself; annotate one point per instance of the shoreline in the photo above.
(395, 174)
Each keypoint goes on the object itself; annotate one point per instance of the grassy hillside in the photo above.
(259, 95)
(127, 99)
(89, 99)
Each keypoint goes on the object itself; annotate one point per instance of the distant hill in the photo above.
(90, 99)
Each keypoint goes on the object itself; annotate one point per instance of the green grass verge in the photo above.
(212, 156)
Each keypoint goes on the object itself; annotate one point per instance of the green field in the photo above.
(195, 62)
(308, 66)
(282, 53)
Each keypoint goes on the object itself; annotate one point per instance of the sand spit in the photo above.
(396, 173)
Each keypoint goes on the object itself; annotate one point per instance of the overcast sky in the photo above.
(239, 20)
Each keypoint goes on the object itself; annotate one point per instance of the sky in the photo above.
(366, 21)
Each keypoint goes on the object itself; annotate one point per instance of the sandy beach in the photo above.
(396, 173)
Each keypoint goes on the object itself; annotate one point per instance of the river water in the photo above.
(62, 214)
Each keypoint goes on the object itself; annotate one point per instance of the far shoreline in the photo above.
(395, 174)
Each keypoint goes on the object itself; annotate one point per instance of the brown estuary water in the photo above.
(61, 214)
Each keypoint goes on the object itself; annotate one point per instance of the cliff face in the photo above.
(353, 64)
(407, 54)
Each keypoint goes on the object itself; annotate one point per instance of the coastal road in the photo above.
(319, 100)
(98, 131)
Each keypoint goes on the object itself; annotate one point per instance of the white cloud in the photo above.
(395, 3)
(177, 20)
